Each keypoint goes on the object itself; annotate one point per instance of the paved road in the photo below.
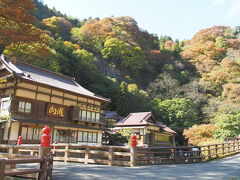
(223, 169)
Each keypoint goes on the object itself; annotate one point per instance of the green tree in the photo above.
(228, 125)
(123, 100)
(179, 112)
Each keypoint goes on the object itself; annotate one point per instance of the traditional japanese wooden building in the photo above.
(149, 131)
(34, 97)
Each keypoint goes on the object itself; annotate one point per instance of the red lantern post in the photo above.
(45, 147)
(133, 157)
(134, 141)
(45, 138)
(19, 141)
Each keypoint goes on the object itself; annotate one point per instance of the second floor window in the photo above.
(24, 107)
(89, 116)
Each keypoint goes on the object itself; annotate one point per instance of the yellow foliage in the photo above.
(199, 133)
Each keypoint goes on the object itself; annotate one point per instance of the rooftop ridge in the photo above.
(147, 115)
(45, 70)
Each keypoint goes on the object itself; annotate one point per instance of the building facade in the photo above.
(34, 97)
(149, 131)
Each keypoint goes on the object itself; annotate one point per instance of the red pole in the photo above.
(19, 141)
(45, 138)
(134, 141)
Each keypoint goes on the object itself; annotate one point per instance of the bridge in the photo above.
(227, 168)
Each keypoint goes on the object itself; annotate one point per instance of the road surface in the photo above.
(222, 169)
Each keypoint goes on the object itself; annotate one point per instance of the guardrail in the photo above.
(43, 170)
(127, 156)
(15, 154)
(185, 154)
(109, 155)
(131, 156)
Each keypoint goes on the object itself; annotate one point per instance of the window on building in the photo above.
(85, 137)
(30, 133)
(84, 115)
(162, 138)
(94, 138)
(37, 134)
(80, 136)
(72, 138)
(24, 133)
(90, 136)
(97, 117)
(4, 106)
(89, 117)
(93, 117)
(24, 107)
(65, 136)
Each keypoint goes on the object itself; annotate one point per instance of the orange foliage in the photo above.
(96, 32)
(15, 20)
(203, 50)
(199, 133)
(232, 92)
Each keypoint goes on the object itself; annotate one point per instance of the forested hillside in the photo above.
(186, 83)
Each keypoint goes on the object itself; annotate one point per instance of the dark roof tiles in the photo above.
(46, 77)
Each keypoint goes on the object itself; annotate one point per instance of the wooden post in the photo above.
(86, 155)
(133, 157)
(238, 145)
(223, 149)
(43, 167)
(175, 154)
(216, 150)
(44, 151)
(2, 168)
(148, 156)
(49, 172)
(209, 152)
(200, 154)
(228, 148)
(110, 156)
(66, 154)
(12, 151)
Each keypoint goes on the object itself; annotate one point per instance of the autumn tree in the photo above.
(16, 22)
(199, 134)
(208, 47)
(58, 26)
(93, 34)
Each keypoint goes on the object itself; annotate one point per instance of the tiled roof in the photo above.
(139, 118)
(111, 115)
(46, 77)
(142, 119)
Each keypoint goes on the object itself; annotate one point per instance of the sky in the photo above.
(180, 19)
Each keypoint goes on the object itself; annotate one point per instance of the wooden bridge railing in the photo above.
(129, 156)
(187, 154)
(43, 169)
(13, 155)
(109, 155)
